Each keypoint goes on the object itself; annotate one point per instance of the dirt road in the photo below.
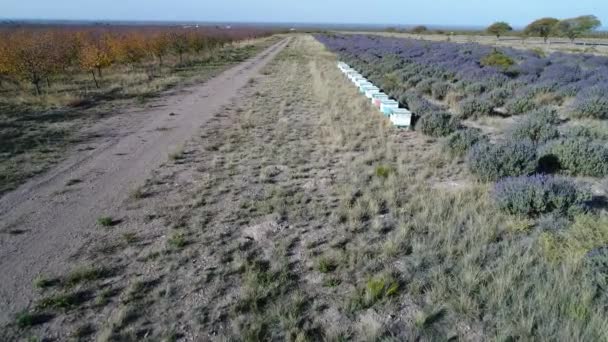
(48, 220)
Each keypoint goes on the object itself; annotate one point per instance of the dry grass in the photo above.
(306, 216)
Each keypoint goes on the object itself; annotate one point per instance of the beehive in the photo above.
(377, 98)
(365, 87)
(369, 92)
(387, 106)
(401, 117)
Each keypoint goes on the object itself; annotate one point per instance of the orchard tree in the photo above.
(419, 29)
(158, 45)
(179, 44)
(576, 27)
(95, 55)
(129, 49)
(543, 27)
(28, 57)
(197, 42)
(499, 28)
(5, 65)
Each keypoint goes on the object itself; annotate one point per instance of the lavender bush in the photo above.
(437, 124)
(460, 142)
(538, 126)
(474, 107)
(538, 194)
(490, 162)
(578, 156)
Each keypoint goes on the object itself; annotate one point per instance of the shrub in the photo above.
(592, 107)
(578, 156)
(538, 194)
(460, 142)
(437, 124)
(475, 88)
(586, 132)
(417, 104)
(498, 96)
(520, 105)
(538, 126)
(474, 107)
(497, 59)
(425, 86)
(440, 90)
(490, 162)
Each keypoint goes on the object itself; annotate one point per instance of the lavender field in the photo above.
(527, 130)
(519, 80)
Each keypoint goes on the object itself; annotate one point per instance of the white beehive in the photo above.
(369, 92)
(401, 117)
(365, 87)
(377, 98)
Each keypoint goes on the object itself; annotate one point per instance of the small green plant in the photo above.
(177, 240)
(332, 282)
(376, 289)
(105, 221)
(326, 265)
(497, 59)
(129, 238)
(61, 301)
(86, 274)
(103, 297)
(42, 282)
(25, 319)
(383, 171)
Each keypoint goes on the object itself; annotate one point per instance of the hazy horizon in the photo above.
(441, 13)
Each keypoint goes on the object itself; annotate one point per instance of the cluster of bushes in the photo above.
(539, 126)
(539, 194)
(577, 156)
(437, 124)
(475, 107)
(460, 142)
(490, 162)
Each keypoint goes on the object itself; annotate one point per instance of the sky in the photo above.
(405, 12)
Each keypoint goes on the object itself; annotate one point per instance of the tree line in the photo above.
(571, 28)
(37, 55)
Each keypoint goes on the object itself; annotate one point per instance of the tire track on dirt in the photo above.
(49, 219)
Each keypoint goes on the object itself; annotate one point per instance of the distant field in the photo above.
(597, 46)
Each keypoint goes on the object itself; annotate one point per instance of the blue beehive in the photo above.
(387, 106)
